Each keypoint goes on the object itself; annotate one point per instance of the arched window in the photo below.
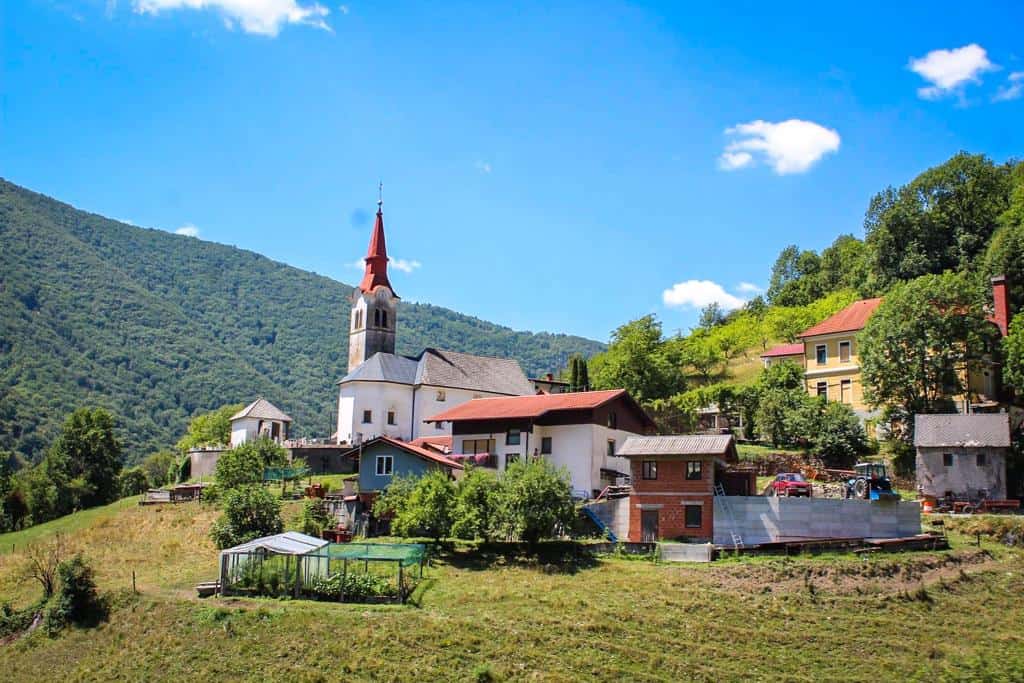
(384, 319)
(376, 317)
(357, 320)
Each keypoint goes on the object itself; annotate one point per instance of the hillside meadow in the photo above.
(914, 616)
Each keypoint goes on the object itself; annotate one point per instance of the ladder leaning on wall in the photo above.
(723, 500)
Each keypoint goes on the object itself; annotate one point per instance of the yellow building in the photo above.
(831, 367)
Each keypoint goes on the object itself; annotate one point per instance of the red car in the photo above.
(790, 484)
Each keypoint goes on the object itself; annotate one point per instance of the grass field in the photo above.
(927, 616)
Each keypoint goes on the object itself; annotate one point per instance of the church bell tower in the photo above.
(374, 302)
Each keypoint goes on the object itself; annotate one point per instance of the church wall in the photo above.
(428, 405)
(378, 398)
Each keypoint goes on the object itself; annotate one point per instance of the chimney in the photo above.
(1001, 304)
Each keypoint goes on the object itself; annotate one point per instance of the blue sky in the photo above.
(548, 166)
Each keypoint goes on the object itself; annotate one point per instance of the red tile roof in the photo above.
(852, 318)
(415, 450)
(784, 350)
(439, 443)
(530, 407)
(376, 274)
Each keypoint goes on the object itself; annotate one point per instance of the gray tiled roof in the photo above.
(678, 444)
(956, 430)
(478, 373)
(262, 409)
(445, 369)
(384, 367)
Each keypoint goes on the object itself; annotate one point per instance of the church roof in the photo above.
(376, 274)
(262, 409)
(449, 369)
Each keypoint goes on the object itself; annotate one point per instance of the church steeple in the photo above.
(374, 302)
(376, 274)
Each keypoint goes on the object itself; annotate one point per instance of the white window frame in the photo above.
(849, 351)
(817, 356)
(392, 418)
(388, 462)
(441, 396)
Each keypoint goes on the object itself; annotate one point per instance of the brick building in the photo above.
(674, 484)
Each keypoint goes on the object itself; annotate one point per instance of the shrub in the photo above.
(356, 586)
(535, 501)
(249, 512)
(244, 464)
(315, 517)
(133, 481)
(476, 501)
(77, 602)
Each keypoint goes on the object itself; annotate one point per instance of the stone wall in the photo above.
(760, 519)
(965, 478)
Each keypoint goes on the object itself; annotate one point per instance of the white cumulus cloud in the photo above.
(748, 288)
(264, 17)
(404, 265)
(1013, 89)
(791, 146)
(483, 167)
(188, 230)
(949, 71)
(698, 294)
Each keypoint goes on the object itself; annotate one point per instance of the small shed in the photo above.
(962, 457)
(283, 562)
(259, 419)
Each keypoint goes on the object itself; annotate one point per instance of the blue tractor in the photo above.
(870, 481)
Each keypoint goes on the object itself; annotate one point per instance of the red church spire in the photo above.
(376, 274)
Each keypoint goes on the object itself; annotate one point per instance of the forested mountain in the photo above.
(157, 327)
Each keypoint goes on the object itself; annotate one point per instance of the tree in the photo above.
(778, 415)
(77, 601)
(638, 361)
(209, 429)
(250, 512)
(428, 509)
(133, 482)
(535, 501)
(584, 375)
(838, 436)
(701, 354)
(711, 316)
(579, 379)
(476, 500)
(784, 271)
(245, 463)
(917, 346)
(942, 220)
(844, 265)
(315, 516)
(85, 461)
(157, 465)
(41, 562)
(1013, 352)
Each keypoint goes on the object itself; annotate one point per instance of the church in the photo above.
(385, 394)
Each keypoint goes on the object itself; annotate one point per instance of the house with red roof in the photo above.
(580, 431)
(793, 353)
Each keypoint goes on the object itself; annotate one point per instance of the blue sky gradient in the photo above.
(548, 166)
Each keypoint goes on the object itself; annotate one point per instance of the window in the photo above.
(821, 352)
(367, 417)
(441, 395)
(476, 446)
(844, 352)
(357, 318)
(613, 419)
(822, 389)
(376, 317)
(694, 470)
(947, 459)
(846, 391)
(611, 448)
(385, 465)
(513, 437)
(439, 426)
(694, 516)
(545, 445)
(391, 417)
(981, 459)
(511, 458)
(384, 319)
(650, 469)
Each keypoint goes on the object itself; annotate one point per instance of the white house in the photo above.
(261, 418)
(580, 431)
(385, 394)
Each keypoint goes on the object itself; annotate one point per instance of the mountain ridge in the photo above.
(157, 327)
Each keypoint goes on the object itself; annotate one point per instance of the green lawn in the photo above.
(484, 617)
(65, 525)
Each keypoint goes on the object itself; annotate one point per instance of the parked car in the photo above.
(790, 484)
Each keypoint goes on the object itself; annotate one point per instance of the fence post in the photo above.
(344, 576)
(401, 586)
(298, 576)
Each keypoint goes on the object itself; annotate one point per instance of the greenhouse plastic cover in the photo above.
(288, 543)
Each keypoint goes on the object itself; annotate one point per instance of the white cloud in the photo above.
(748, 288)
(791, 146)
(483, 167)
(949, 71)
(404, 265)
(188, 230)
(698, 294)
(1013, 89)
(265, 17)
(344, 9)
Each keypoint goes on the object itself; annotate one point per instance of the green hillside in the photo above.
(157, 327)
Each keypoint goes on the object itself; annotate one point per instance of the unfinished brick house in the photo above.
(674, 479)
